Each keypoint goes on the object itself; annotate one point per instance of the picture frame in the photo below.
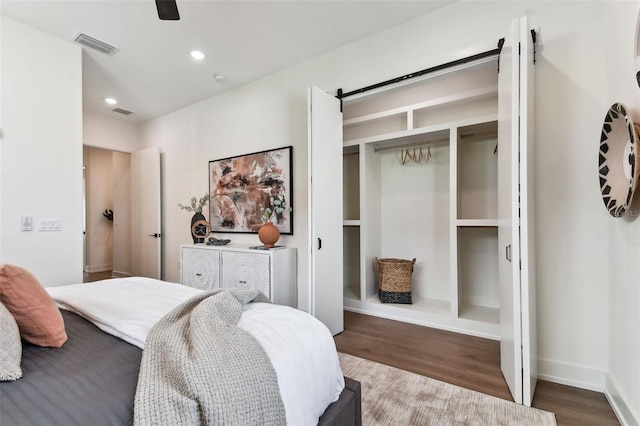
(246, 190)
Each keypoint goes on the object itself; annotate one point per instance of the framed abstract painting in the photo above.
(248, 190)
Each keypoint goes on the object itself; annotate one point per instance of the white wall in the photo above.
(184, 173)
(189, 138)
(109, 133)
(572, 95)
(1, 135)
(622, 237)
(41, 160)
(571, 219)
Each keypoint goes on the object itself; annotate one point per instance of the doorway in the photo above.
(107, 213)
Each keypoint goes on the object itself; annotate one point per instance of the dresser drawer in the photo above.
(201, 268)
(273, 272)
(246, 270)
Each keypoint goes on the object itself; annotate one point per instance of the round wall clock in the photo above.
(200, 230)
(618, 160)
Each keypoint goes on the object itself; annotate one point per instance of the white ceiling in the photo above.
(153, 73)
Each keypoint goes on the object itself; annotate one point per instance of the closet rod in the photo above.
(412, 145)
(480, 134)
(488, 53)
(436, 141)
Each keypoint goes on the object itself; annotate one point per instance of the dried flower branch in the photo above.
(196, 205)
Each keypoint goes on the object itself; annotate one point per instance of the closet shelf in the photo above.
(422, 134)
(445, 100)
(477, 222)
(351, 150)
(480, 313)
(348, 293)
(414, 144)
(420, 304)
(404, 136)
(470, 136)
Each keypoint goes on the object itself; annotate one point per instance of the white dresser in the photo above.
(273, 272)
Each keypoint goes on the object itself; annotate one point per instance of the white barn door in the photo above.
(325, 209)
(518, 356)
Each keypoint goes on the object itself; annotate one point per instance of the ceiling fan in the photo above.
(167, 10)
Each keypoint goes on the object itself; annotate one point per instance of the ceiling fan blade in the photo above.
(167, 10)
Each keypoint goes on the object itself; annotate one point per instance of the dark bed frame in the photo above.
(92, 379)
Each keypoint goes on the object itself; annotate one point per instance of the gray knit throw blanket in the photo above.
(199, 368)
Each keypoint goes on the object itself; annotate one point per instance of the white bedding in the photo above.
(299, 346)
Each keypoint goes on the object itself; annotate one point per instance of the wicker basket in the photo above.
(394, 280)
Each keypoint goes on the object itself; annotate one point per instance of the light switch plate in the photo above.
(50, 224)
(26, 223)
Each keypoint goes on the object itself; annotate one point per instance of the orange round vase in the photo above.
(269, 234)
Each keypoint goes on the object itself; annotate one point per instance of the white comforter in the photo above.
(300, 347)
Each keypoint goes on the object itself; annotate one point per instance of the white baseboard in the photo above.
(619, 403)
(98, 268)
(571, 375)
(120, 274)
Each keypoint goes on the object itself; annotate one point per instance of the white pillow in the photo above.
(10, 347)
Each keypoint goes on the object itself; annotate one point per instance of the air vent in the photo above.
(122, 111)
(94, 43)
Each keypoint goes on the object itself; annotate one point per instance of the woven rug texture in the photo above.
(391, 396)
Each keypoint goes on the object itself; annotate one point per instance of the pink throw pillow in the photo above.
(35, 312)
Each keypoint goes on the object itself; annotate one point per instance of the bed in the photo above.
(93, 377)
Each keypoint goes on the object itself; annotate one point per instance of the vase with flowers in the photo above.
(196, 206)
(269, 234)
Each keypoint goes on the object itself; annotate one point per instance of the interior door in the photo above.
(508, 237)
(146, 213)
(527, 216)
(325, 209)
(515, 213)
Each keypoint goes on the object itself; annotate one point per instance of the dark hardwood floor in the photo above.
(96, 276)
(467, 361)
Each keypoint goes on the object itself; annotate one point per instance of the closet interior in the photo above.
(420, 180)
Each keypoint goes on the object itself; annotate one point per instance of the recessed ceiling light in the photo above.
(196, 54)
(110, 101)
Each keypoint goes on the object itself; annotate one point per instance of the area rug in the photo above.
(391, 396)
